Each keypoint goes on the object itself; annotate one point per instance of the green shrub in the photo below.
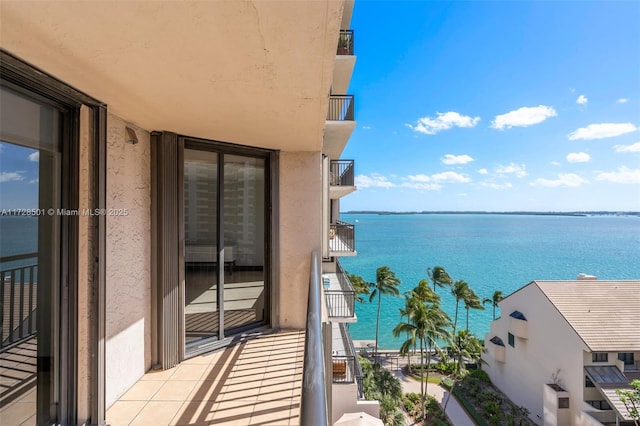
(446, 383)
(481, 375)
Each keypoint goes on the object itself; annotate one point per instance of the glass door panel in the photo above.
(202, 313)
(30, 176)
(244, 245)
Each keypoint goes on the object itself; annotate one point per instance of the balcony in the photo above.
(345, 42)
(256, 381)
(339, 125)
(345, 62)
(518, 325)
(339, 296)
(342, 239)
(340, 108)
(346, 368)
(341, 178)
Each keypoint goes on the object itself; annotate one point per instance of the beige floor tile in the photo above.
(206, 390)
(142, 391)
(17, 412)
(236, 412)
(123, 412)
(175, 390)
(194, 413)
(157, 413)
(159, 374)
(237, 391)
(271, 412)
(189, 372)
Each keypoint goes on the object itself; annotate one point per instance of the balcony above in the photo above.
(339, 125)
(345, 62)
(341, 178)
(518, 325)
(339, 296)
(342, 239)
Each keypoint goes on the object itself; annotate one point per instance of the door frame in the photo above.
(37, 83)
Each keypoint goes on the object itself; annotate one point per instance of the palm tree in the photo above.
(497, 297)
(471, 301)
(458, 290)
(425, 323)
(386, 283)
(439, 277)
(463, 346)
(360, 287)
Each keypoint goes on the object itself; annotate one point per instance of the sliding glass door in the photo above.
(30, 268)
(224, 198)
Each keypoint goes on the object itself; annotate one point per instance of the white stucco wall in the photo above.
(299, 229)
(128, 260)
(553, 350)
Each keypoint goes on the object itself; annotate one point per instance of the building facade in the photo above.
(184, 166)
(561, 348)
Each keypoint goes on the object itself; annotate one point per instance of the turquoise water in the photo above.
(490, 252)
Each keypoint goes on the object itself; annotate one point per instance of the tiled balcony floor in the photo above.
(257, 382)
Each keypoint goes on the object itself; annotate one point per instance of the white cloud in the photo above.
(450, 177)
(483, 171)
(366, 127)
(443, 121)
(519, 170)
(422, 186)
(578, 157)
(555, 163)
(492, 185)
(444, 177)
(622, 100)
(628, 148)
(450, 159)
(568, 179)
(582, 100)
(523, 117)
(11, 176)
(374, 181)
(623, 175)
(602, 130)
(34, 156)
(36, 180)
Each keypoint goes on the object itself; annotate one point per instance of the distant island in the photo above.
(527, 213)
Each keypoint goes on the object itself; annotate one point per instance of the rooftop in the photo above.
(604, 314)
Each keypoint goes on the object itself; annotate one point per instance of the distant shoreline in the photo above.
(515, 213)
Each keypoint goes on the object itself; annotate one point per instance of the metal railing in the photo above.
(341, 173)
(352, 372)
(342, 237)
(313, 401)
(340, 108)
(345, 42)
(18, 297)
(341, 303)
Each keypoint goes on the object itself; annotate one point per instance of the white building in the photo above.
(561, 348)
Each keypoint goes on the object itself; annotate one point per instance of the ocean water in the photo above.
(490, 252)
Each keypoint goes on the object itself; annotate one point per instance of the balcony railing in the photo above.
(18, 297)
(346, 368)
(341, 303)
(341, 173)
(313, 401)
(342, 237)
(345, 42)
(340, 108)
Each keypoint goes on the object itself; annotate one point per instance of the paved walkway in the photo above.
(456, 413)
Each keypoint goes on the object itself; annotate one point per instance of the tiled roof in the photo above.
(605, 314)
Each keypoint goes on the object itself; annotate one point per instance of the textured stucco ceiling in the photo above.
(255, 73)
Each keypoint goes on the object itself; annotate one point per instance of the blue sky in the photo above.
(496, 106)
